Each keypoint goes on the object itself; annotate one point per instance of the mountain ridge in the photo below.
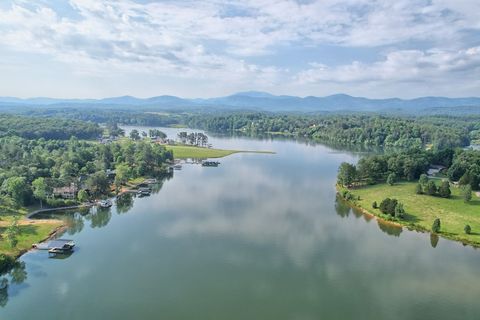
(260, 100)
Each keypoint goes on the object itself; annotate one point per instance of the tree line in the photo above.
(47, 128)
(462, 166)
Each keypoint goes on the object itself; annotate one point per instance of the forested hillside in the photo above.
(368, 130)
(47, 128)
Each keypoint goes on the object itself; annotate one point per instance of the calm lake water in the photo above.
(260, 237)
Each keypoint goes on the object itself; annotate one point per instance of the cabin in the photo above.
(67, 192)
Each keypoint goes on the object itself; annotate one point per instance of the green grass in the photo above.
(184, 152)
(422, 210)
(29, 234)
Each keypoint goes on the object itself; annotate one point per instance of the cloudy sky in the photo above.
(194, 48)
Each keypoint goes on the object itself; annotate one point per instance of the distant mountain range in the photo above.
(265, 102)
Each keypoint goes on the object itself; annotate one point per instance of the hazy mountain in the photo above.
(264, 101)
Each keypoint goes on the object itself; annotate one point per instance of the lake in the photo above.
(261, 236)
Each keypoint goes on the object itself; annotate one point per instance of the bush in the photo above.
(444, 190)
(391, 179)
(418, 189)
(436, 225)
(467, 193)
(423, 180)
(399, 211)
(55, 203)
(374, 205)
(467, 229)
(431, 188)
(388, 205)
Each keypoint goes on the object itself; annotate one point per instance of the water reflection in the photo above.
(99, 217)
(124, 203)
(434, 240)
(11, 279)
(390, 228)
(343, 209)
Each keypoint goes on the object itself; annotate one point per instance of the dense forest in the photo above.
(369, 130)
(121, 116)
(47, 128)
(32, 168)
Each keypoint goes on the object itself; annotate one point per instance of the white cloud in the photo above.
(218, 40)
(404, 65)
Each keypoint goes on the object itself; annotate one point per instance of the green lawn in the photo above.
(422, 210)
(184, 152)
(29, 234)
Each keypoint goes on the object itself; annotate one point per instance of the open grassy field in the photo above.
(30, 232)
(422, 210)
(184, 152)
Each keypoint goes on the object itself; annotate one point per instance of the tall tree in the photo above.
(40, 189)
(347, 173)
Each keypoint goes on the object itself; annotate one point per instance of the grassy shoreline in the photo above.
(422, 210)
(193, 152)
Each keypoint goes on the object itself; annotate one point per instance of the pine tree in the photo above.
(436, 225)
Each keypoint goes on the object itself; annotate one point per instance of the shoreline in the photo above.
(411, 226)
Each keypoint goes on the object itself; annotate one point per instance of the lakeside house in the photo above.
(67, 192)
(434, 170)
(107, 140)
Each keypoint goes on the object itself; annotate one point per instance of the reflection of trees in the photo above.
(3, 292)
(18, 275)
(341, 207)
(124, 203)
(100, 218)
(390, 229)
(433, 240)
(74, 223)
(156, 187)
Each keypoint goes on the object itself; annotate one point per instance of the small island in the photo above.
(421, 189)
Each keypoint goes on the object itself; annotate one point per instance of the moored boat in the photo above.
(105, 203)
(210, 163)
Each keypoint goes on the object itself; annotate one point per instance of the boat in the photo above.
(105, 203)
(144, 191)
(210, 163)
(177, 167)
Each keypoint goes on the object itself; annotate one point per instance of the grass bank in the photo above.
(31, 231)
(422, 210)
(184, 152)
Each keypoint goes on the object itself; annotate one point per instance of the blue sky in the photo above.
(94, 49)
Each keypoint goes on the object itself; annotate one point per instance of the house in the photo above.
(434, 169)
(68, 192)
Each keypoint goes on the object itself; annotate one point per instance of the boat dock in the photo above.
(56, 246)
